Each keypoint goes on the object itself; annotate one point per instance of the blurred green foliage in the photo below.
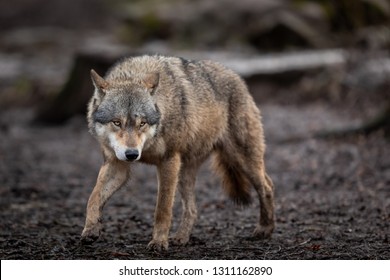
(264, 24)
(349, 15)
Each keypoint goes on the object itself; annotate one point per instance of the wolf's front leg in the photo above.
(168, 173)
(186, 188)
(112, 176)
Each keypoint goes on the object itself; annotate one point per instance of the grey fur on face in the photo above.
(127, 103)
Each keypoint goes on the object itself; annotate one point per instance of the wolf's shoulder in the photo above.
(159, 62)
(168, 66)
(133, 65)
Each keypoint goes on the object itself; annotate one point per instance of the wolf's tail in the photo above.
(234, 182)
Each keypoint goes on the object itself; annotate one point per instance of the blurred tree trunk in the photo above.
(78, 89)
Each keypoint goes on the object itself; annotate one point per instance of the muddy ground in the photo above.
(332, 194)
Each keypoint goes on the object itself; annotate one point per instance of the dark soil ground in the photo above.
(332, 195)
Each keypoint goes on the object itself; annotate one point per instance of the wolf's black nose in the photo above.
(132, 154)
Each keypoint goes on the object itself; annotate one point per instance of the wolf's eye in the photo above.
(142, 124)
(117, 123)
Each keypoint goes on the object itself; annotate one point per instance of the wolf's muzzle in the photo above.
(132, 154)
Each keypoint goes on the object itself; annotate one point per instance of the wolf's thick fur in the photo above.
(174, 113)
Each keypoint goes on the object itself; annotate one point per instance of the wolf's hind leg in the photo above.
(265, 190)
(112, 176)
(186, 188)
(241, 169)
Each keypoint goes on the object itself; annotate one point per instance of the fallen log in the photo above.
(379, 121)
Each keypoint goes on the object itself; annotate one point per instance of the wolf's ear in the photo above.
(99, 83)
(151, 81)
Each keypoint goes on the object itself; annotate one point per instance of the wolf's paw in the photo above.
(90, 235)
(158, 245)
(87, 240)
(180, 240)
(263, 232)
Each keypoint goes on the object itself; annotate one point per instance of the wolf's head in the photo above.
(122, 114)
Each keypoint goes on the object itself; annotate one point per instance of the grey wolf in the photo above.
(174, 113)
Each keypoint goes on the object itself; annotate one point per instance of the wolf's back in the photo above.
(190, 75)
